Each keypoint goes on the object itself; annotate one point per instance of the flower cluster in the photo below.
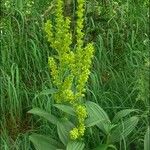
(81, 114)
(70, 69)
(74, 133)
(77, 132)
(54, 70)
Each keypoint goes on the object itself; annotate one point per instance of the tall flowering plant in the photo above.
(70, 69)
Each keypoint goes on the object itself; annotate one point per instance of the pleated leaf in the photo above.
(97, 116)
(42, 142)
(147, 139)
(46, 92)
(123, 129)
(65, 108)
(122, 113)
(63, 128)
(101, 147)
(51, 118)
(75, 145)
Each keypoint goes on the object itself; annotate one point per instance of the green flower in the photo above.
(81, 112)
(81, 129)
(74, 133)
(68, 95)
(54, 71)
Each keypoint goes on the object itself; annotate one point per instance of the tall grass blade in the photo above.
(147, 139)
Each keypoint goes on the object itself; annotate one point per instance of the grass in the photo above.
(120, 72)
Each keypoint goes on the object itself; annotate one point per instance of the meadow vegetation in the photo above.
(79, 83)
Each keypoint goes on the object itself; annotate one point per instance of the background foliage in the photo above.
(119, 77)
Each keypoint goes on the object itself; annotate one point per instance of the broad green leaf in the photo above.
(42, 142)
(37, 111)
(101, 147)
(75, 145)
(147, 139)
(46, 92)
(97, 116)
(122, 113)
(105, 147)
(63, 128)
(65, 108)
(123, 129)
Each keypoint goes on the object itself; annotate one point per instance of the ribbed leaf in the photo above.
(65, 108)
(97, 116)
(101, 147)
(42, 142)
(122, 113)
(147, 139)
(37, 111)
(123, 129)
(75, 145)
(46, 92)
(105, 147)
(63, 128)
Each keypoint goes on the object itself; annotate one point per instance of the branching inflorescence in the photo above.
(70, 68)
